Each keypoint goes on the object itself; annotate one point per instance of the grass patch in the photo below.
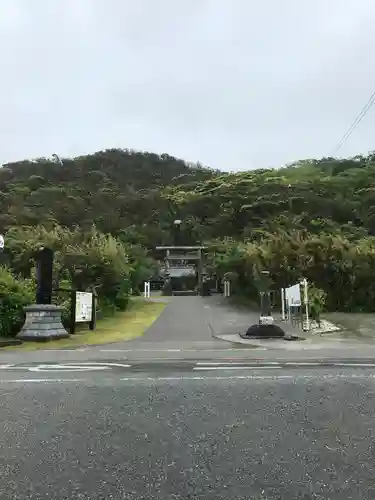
(121, 327)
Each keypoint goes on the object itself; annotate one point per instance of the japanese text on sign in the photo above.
(83, 307)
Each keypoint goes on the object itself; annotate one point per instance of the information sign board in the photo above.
(83, 307)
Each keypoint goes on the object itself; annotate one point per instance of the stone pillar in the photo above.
(200, 270)
(43, 322)
(44, 270)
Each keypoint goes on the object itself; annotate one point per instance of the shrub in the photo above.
(15, 294)
(87, 259)
(122, 301)
(317, 301)
(83, 260)
(105, 307)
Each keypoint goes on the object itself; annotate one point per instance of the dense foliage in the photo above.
(343, 269)
(105, 212)
(139, 195)
(82, 260)
(15, 294)
(118, 191)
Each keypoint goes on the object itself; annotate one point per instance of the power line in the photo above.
(355, 124)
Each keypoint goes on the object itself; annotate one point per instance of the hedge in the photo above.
(15, 294)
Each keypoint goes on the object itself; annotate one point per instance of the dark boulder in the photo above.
(264, 332)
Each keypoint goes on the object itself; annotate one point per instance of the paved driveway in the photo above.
(195, 321)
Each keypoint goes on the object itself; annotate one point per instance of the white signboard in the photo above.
(293, 295)
(83, 307)
(1, 241)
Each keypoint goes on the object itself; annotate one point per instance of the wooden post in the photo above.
(306, 301)
(72, 326)
(200, 269)
(92, 324)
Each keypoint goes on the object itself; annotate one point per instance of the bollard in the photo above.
(146, 292)
(226, 288)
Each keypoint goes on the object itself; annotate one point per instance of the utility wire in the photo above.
(354, 125)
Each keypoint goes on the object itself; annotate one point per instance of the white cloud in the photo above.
(233, 84)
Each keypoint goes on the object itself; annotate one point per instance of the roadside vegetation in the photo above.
(119, 327)
(103, 214)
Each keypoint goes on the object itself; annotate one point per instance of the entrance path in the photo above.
(195, 321)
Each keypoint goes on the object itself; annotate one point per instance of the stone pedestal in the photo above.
(266, 328)
(43, 322)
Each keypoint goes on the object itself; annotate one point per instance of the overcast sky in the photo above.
(234, 84)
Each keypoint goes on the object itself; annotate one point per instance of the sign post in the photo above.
(283, 304)
(293, 299)
(3, 254)
(83, 309)
(146, 291)
(306, 302)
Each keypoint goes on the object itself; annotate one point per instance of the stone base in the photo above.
(43, 323)
(264, 331)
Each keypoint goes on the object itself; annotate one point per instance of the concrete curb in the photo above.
(235, 338)
(10, 342)
(283, 345)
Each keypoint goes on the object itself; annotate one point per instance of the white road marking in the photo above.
(81, 366)
(322, 363)
(66, 368)
(4, 367)
(302, 364)
(13, 367)
(230, 377)
(179, 350)
(249, 377)
(95, 363)
(235, 367)
(116, 350)
(363, 365)
(39, 380)
(230, 363)
(199, 378)
(275, 364)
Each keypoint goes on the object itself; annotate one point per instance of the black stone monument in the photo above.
(44, 270)
(43, 319)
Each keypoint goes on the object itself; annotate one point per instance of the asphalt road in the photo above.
(181, 433)
(178, 414)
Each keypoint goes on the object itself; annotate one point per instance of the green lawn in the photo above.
(122, 326)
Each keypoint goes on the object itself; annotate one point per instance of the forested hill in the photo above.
(115, 189)
(122, 168)
(140, 194)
